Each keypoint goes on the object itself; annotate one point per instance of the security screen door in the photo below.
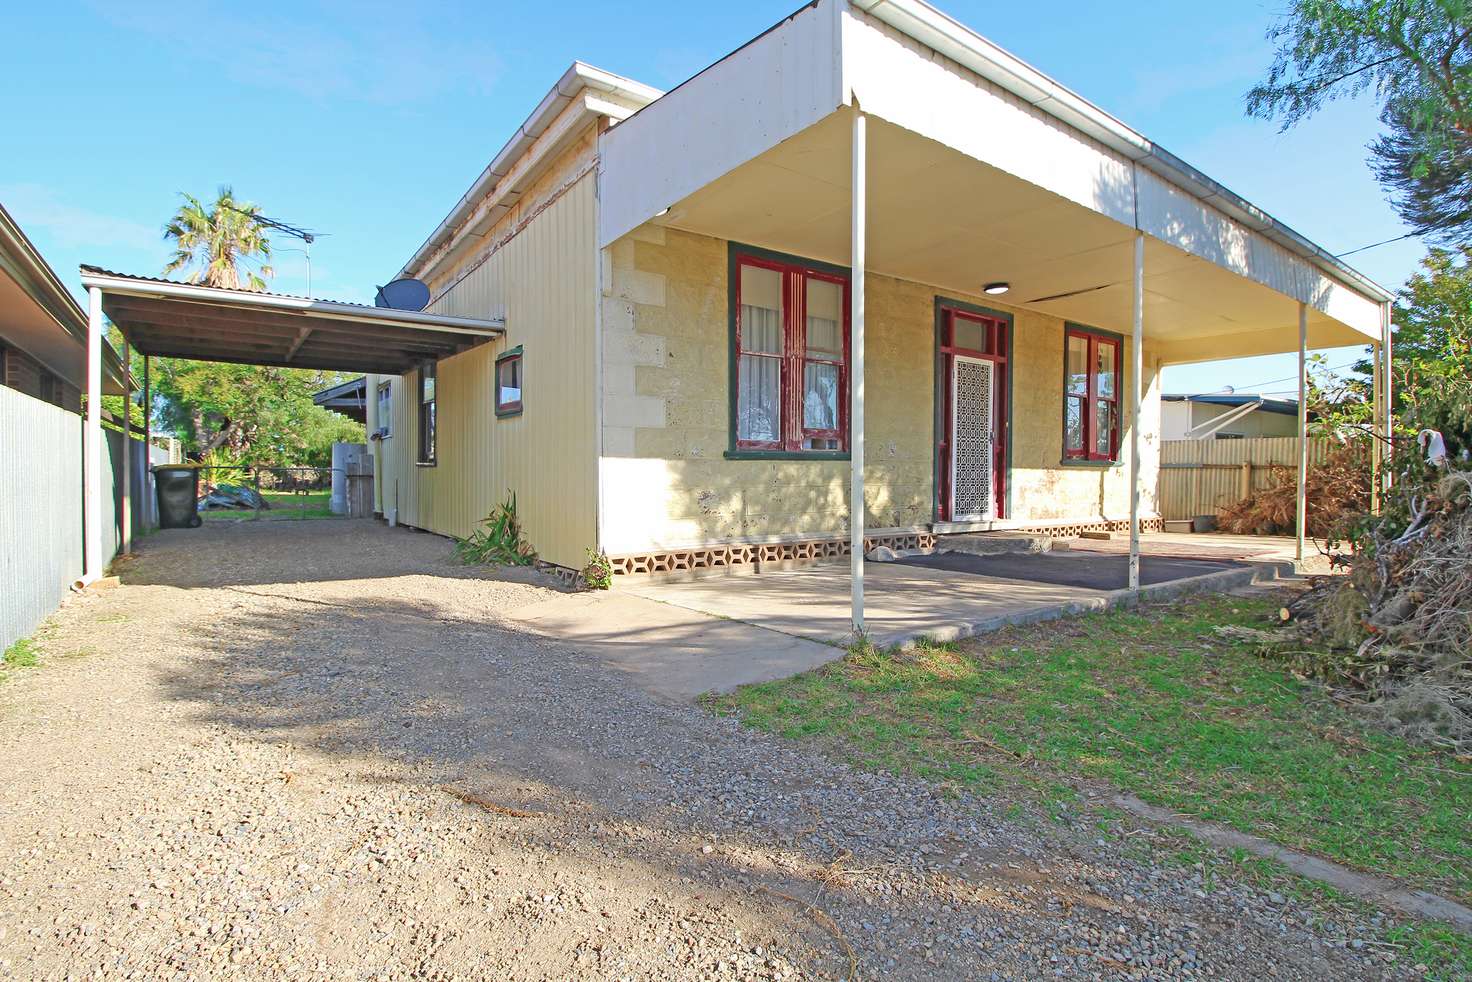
(973, 432)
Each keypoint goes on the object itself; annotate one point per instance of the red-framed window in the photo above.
(1091, 383)
(974, 334)
(791, 350)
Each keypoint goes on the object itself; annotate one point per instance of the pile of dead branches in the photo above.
(1338, 487)
(1396, 632)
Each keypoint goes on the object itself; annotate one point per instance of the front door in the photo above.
(972, 439)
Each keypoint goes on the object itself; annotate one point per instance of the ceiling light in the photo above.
(996, 289)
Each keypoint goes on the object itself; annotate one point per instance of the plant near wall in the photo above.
(598, 572)
(498, 540)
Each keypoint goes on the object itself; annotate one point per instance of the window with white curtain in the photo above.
(791, 356)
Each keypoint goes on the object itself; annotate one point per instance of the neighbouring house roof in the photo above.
(185, 320)
(348, 398)
(1287, 407)
(39, 315)
(603, 93)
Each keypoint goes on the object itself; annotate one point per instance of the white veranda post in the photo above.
(1301, 511)
(92, 442)
(1137, 369)
(856, 381)
(1387, 393)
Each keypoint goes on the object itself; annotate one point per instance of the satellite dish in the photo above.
(403, 294)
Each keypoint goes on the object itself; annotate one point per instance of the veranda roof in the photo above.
(184, 320)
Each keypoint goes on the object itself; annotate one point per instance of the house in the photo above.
(1223, 416)
(348, 398)
(868, 253)
(43, 331)
(43, 371)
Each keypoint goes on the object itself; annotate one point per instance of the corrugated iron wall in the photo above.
(41, 507)
(1201, 477)
(543, 280)
(40, 510)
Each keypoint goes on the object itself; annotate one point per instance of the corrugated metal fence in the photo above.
(1201, 477)
(41, 507)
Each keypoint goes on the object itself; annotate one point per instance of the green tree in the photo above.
(1433, 348)
(261, 415)
(219, 241)
(1416, 56)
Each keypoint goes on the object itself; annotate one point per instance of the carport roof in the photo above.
(184, 320)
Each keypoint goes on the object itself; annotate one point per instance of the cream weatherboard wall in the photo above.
(539, 273)
(667, 484)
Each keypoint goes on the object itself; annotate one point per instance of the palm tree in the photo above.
(219, 240)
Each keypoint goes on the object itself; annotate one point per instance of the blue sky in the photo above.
(367, 121)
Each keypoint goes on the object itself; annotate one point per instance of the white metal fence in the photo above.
(41, 507)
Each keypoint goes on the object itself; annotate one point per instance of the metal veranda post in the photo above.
(1387, 396)
(1137, 369)
(856, 381)
(92, 444)
(1301, 501)
(1377, 395)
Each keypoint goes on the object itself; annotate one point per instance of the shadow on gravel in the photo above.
(264, 553)
(425, 686)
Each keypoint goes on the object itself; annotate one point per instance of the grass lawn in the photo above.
(1149, 702)
(285, 506)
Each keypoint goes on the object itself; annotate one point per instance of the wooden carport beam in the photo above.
(164, 333)
(281, 326)
(301, 337)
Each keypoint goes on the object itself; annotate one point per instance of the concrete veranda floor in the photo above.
(905, 602)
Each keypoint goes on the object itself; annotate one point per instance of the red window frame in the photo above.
(995, 337)
(794, 358)
(1089, 450)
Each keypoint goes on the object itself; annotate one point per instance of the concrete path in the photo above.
(671, 651)
(900, 601)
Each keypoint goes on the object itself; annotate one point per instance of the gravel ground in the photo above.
(318, 750)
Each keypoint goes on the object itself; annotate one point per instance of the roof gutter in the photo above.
(577, 78)
(249, 300)
(936, 30)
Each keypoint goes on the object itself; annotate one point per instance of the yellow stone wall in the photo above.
(666, 484)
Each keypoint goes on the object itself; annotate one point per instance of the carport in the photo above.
(163, 318)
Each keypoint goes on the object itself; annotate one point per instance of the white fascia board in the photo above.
(274, 302)
(623, 95)
(770, 89)
(914, 66)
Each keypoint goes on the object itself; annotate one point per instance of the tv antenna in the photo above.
(306, 236)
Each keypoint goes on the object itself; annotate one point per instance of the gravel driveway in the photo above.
(321, 750)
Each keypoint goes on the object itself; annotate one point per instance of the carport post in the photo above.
(1137, 369)
(92, 444)
(127, 538)
(856, 381)
(1301, 510)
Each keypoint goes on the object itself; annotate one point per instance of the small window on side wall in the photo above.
(509, 383)
(385, 410)
(427, 373)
